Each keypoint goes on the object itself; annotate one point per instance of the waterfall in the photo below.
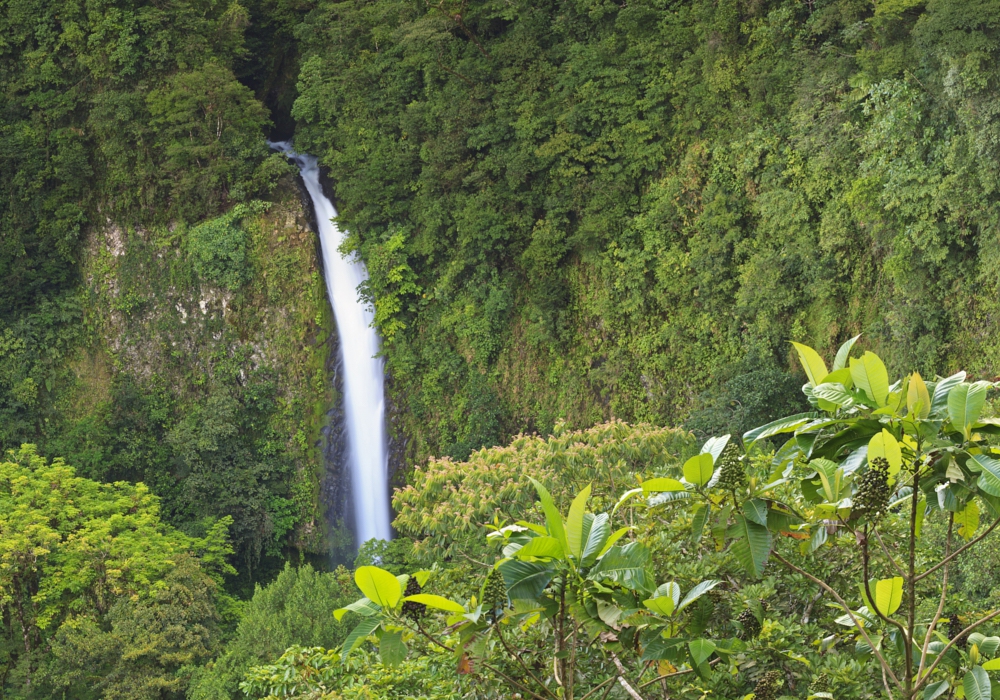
(364, 374)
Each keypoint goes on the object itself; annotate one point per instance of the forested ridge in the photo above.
(572, 212)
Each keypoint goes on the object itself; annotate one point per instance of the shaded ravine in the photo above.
(363, 371)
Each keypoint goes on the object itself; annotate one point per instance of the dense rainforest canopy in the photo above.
(572, 212)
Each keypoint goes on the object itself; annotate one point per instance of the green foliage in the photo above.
(91, 579)
(447, 504)
(873, 464)
(295, 608)
(314, 672)
(218, 246)
(602, 211)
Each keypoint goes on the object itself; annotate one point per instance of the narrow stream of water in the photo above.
(364, 373)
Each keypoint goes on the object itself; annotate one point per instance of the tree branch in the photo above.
(950, 644)
(513, 682)
(621, 678)
(940, 609)
(888, 554)
(847, 609)
(868, 590)
(423, 632)
(958, 551)
(517, 658)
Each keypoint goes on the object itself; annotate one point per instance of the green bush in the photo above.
(218, 247)
(295, 608)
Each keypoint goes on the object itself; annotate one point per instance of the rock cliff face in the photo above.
(224, 398)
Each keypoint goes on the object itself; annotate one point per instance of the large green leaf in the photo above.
(359, 634)
(574, 522)
(391, 648)
(542, 548)
(965, 403)
(625, 566)
(939, 402)
(553, 519)
(663, 484)
(697, 592)
(844, 353)
(435, 601)
(698, 469)
(751, 544)
(886, 446)
(597, 535)
(977, 684)
(525, 579)
(700, 650)
(869, 375)
(756, 510)
(834, 392)
(362, 607)
(935, 690)
(776, 427)
(889, 595)
(918, 401)
(812, 363)
(715, 445)
(989, 479)
(662, 605)
(967, 519)
(378, 585)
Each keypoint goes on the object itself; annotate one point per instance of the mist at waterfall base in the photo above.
(363, 371)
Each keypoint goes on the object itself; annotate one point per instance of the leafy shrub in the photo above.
(218, 247)
(296, 608)
(447, 504)
(313, 673)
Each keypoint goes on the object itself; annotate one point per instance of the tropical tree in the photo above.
(567, 583)
(867, 471)
(92, 584)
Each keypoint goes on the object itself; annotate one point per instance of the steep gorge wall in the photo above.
(222, 399)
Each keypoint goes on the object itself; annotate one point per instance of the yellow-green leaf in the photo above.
(698, 469)
(889, 595)
(541, 547)
(661, 484)
(918, 400)
(663, 605)
(574, 522)
(885, 445)
(968, 520)
(869, 375)
(812, 363)
(378, 585)
(436, 601)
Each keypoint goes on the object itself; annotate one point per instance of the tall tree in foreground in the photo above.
(867, 471)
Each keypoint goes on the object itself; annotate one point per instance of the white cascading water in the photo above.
(364, 374)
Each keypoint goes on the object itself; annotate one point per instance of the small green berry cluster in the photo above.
(768, 686)
(494, 596)
(732, 476)
(413, 610)
(750, 624)
(872, 496)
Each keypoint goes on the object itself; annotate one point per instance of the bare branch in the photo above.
(958, 551)
(517, 658)
(949, 645)
(940, 609)
(850, 613)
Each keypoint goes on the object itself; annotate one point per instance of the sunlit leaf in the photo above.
(378, 585)
(812, 363)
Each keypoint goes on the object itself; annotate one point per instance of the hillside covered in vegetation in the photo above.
(574, 213)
